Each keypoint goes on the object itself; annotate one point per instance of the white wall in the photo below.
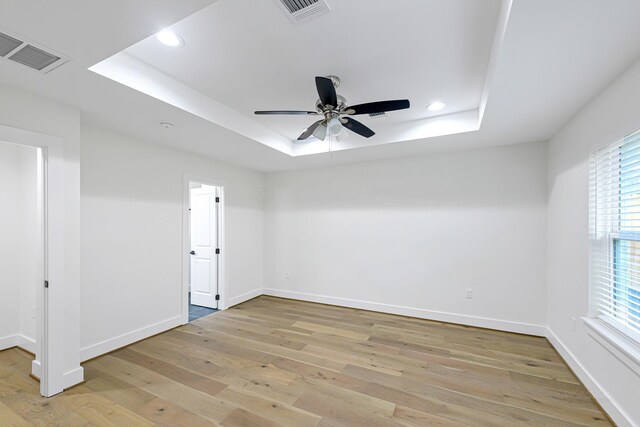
(10, 240)
(131, 265)
(410, 235)
(607, 118)
(22, 110)
(20, 249)
(29, 249)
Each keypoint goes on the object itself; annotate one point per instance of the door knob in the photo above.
(192, 252)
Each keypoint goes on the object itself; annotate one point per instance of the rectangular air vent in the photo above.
(8, 44)
(33, 57)
(375, 115)
(302, 10)
(17, 49)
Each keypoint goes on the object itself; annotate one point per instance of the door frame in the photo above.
(186, 241)
(50, 316)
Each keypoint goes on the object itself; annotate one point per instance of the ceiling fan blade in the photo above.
(307, 133)
(357, 127)
(289, 112)
(380, 106)
(320, 132)
(326, 91)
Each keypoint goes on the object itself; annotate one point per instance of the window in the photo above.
(615, 235)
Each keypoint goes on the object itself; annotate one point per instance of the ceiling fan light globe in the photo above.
(334, 126)
(320, 132)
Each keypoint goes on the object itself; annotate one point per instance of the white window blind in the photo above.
(615, 234)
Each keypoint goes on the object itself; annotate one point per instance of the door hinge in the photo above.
(46, 283)
(218, 251)
(217, 199)
(217, 297)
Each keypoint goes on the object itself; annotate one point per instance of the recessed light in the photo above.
(169, 38)
(436, 106)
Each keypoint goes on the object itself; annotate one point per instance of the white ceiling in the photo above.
(249, 56)
(555, 56)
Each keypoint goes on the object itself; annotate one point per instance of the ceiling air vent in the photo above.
(376, 115)
(302, 10)
(18, 50)
(8, 44)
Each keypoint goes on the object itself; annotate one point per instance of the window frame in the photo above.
(630, 331)
(616, 335)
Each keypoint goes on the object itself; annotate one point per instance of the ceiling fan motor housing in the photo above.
(342, 104)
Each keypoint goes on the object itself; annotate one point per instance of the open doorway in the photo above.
(51, 292)
(22, 256)
(204, 241)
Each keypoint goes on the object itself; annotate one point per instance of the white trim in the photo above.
(244, 297)
(73, 377)
(69, 379)
(8, 342)
(608, 404)
(36, 368)
(18, 340)
(26, 343)
(481, 322)
(615, 343)
(111, 344)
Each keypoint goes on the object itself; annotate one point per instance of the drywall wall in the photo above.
(605, 119)
(131, 265)
(21, 110)
(10, 231)
(31, 245)
(20, 246)
(410, 235)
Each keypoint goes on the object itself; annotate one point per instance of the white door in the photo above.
(204, 237)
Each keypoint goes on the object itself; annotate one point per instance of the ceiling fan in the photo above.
(337, 113)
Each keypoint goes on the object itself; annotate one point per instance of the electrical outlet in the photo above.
(33, 312)
(287, 275)
(468, 293)
(573, 323)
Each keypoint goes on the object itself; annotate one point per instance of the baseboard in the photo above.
(603, 398)
(73, 377)
(69, 379)
(9, 341)
(481, 322)
(111, 344)
(26, 343)
(36, 369)
(244, 297)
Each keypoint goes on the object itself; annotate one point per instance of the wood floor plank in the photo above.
(103, 412)
(188, 378)
(9, 417)
(251, 381)
(161, 412)
(413, 418)
(480, 409)
(279, 413)
(277, 362)
(203, 405)
(244, 418)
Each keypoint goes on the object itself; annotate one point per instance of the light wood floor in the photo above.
(274, 362)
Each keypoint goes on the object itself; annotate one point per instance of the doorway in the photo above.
(22, 254)
(50, 345)
(204, 241)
